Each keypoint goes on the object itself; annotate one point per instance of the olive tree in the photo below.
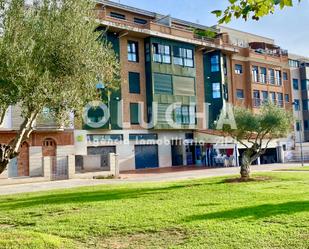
(50, 57)
(254, 9)
(256, 130)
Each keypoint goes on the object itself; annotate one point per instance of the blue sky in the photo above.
(290, 27)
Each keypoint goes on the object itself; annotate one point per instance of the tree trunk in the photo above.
(245, 167)
(8, 152)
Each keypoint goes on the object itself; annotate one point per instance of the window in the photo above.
(256, 98)
(271, 76)
(240, 94)
(285, 76)
(280, 99)
(134, 82)
(305, 84)
(117, 15)
(265, 96)
(140, 21)
(296, 105)
(295, 84)
(255, 74)
(238, 69)
(306, 125)
(132, 51)
(216, 91)
(163, 84)
(305, 105)
(183, 57)
(278, 77)
(272, 97)
(134, 113)
(293, 63)
(185, 115)
(297, 123)
(215, 63)
(161, 53)
(287, 98)
(263, 75)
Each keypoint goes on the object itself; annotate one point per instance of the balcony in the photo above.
(267, 49)
(263, 79)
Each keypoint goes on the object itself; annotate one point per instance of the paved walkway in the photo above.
(157, 175)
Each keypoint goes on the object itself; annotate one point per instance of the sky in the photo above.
(289, 27)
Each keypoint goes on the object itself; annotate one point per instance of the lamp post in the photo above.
(296, 104)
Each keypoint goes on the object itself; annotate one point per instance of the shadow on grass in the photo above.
(82, 197)
(257, 212)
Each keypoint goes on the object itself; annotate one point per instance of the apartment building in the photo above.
(48, 139)
(163, 61)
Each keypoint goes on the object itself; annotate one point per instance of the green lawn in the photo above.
(190, 214)
(305, 168)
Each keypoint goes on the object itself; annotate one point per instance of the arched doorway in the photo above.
(23, 160)
(49, 147)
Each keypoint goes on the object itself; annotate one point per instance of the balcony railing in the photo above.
(262, 78)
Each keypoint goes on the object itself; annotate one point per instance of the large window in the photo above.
(161, 53)
(278, 77)
(140, 21)
(280, 99)
(293, 63)
(306, 125)
(132, 51)
(287, 98)
(265, 96)
(163, 84)
(295, 84)
(238, 69)
(240, 94)
(272, 97)
(285, 76)
(134, 82)
(215, 63)
(271, 73)
(183, 57)
(256, 98)
(263, 75)
(255, 74)
(305, 105)
(216, 91)
(185, 115)
(296, 105)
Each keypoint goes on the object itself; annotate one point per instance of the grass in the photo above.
(305, 168)
(191, 214)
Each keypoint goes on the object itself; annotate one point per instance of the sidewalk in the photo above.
(153, 175)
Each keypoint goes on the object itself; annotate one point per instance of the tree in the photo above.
(250, 8)
(256, 131)
(50, 57)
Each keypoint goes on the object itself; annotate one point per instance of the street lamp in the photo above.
(297, 104)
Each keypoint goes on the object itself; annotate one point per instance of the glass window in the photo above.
(280, 99)
(278, 77)
(287, 98)
(297, 123)
(161, 53)
(263, 75)
(140, 21)
(293, 63)
(305, 84)
(216, 90)
(134, 113)
(185, 115)
(240, 94)
(285, 76)
(132, 51)
(118, 15)
(271, 76)
(256, 98)
(296, 105)
(178, 115)
(134, 82)
(215, 63)
(183, 56)
(306, 125)
(255, 74)
(265, 96)
(238, 69)
(305, 105)
(295, 84)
